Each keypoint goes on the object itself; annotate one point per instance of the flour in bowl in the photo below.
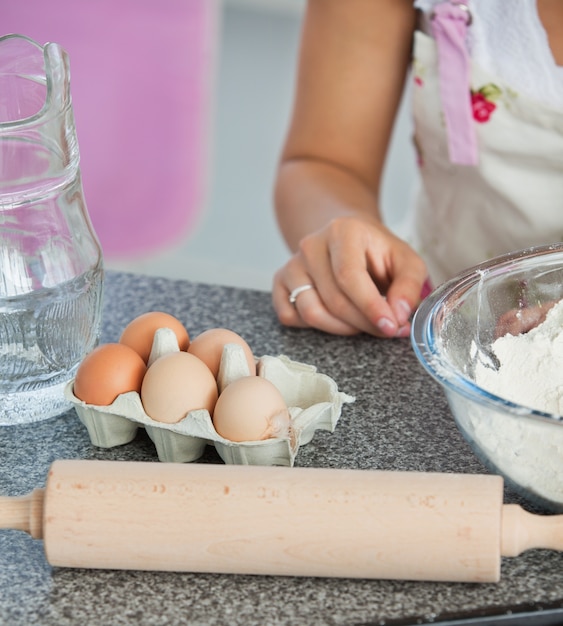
(531, 366)
(528, 451)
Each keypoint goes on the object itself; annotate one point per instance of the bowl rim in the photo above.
(424, 344)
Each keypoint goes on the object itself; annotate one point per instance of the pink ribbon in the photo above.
(449, 23)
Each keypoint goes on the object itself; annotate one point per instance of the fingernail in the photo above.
(404, 331)
(386, 326)
(404, 312)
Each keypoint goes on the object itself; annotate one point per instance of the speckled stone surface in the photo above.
(400, 421)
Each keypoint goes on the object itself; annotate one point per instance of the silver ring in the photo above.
(293, 295)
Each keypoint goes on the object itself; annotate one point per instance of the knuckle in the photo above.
(340, 306)
(307, 246)
(344, 275)
(287, 317)
(313, 316)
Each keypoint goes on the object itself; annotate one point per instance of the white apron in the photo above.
(512, 198)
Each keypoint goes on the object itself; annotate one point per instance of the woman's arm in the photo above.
(353, 63)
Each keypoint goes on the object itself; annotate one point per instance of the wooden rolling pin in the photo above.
(277, 521)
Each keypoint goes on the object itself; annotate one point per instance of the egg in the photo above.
(208, 346)
(108, 371)
(139, 333)
(176, 384)
(251, 409)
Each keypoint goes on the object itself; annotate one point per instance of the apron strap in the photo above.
(450, 21)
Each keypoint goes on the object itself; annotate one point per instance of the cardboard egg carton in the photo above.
(313, 400)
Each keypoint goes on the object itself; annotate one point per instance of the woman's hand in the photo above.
(365, 279)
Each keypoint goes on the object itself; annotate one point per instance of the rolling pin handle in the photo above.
(523, 531)
(23, 513)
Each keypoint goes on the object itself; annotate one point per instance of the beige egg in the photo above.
(176, 384)
(251, 409)
(208, 346)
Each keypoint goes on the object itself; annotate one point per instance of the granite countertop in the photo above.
(399, 421)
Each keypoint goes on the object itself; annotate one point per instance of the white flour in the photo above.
(528, 451)
(531, 370)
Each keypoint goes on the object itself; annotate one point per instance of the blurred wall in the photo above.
(142, 80)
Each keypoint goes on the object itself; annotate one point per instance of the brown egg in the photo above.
(139, 333)
(251, 409)
(208, 346)
(108, 371)
(176, 384)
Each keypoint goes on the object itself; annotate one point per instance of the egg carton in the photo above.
(313, 399)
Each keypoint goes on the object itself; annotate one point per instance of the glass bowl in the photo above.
(452, 335)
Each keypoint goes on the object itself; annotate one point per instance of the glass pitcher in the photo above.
(51, 267)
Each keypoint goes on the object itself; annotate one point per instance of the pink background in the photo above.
(142, 75)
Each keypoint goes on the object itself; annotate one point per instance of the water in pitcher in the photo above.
(51, 267)
(43, 337)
